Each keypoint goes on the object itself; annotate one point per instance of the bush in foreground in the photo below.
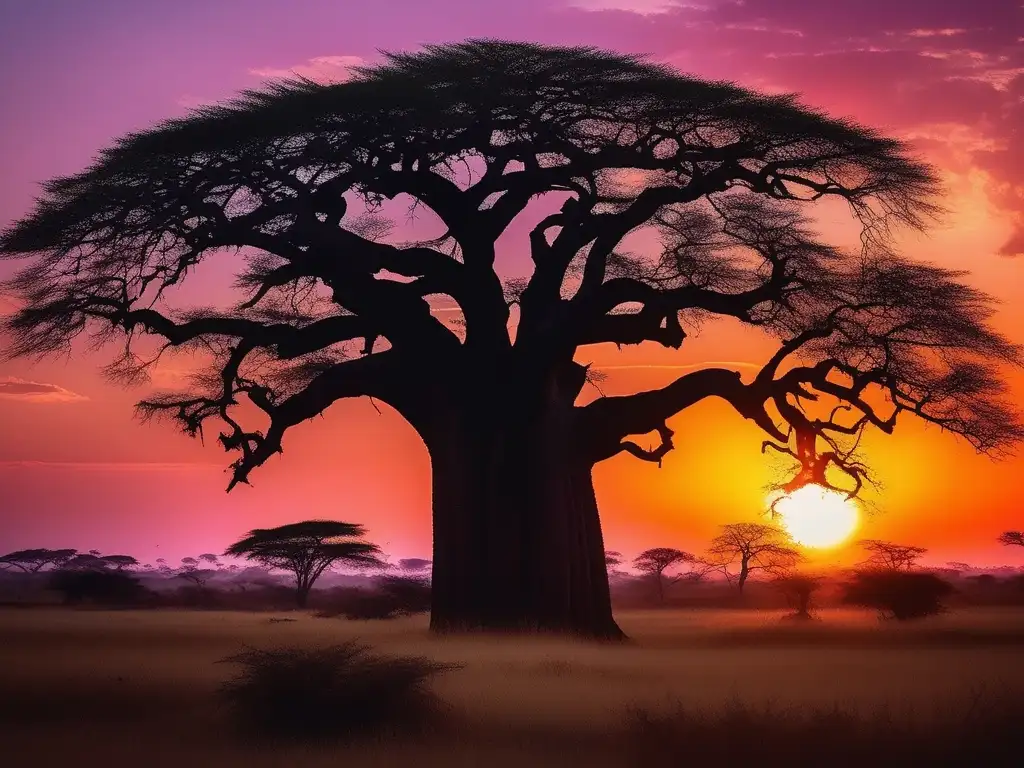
(330, 693)
(900, 595)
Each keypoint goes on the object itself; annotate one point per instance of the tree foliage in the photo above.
(655, 562)
(1012, 539)
(898, 594)
(307, 549)
(297, 177)
(34, 560)
(885, 555)
(745, 549)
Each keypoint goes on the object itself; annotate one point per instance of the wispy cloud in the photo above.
(639, 7)
(321, 69)
(112, 466)
(947, 32)
(763, 27)
(36, 392)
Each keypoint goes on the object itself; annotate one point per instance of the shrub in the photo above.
(334, 692)
(900, 595)
(100, 587)
(390, 597)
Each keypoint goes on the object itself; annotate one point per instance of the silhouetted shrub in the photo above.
(389, 598)
(99, 587)
(326, 693)
(900, 595)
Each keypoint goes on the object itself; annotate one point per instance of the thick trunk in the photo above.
(517, 537)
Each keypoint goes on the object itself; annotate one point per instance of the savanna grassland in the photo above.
(113, 687)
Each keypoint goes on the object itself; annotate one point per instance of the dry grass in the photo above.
(77, 686)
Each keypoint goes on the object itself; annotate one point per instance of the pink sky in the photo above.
(77, 470)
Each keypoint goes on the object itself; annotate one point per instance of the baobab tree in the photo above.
(586, 148)
(654, 562)
(307, 549)
(887, 556)
(750, 548)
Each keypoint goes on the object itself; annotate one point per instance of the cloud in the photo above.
(639, 7)
(111, 466)
(948, 32)
(36, 392)
(321, 69)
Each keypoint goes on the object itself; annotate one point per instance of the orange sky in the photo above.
(77, 470)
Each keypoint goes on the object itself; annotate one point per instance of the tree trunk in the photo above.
(517, 537)
(744, 573)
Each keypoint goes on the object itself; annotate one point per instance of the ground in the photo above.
(106, 688)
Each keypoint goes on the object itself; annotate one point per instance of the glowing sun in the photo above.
(818, 517)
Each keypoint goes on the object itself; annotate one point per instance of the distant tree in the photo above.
(654, 562)
(120, 562)
(751, 548)
(959, 567)
(886, 556)
(210, 558)
(896, 593)
(414, 564)
(307, 549)
(612, 558)
(198, 576)
(34, 560)
(1012, 538)
(86, 562)
(799, 589)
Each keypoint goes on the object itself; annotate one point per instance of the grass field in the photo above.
(105, 688)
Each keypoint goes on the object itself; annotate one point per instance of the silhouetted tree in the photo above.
(799, 589)
(414, 564)
(752, 548)
(119, 562)
(34, 560)
(210, 558)
(655, 562)
(898, 594)
(296, 178)
(86, 562)
(1012, 539)
(885, 555)
(307, 549)
(612, 558)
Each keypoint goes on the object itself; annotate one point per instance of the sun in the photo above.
(818, 517)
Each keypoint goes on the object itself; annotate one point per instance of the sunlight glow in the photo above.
(818, 517)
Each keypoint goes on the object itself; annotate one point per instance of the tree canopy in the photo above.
(298, 176)
(307, 549)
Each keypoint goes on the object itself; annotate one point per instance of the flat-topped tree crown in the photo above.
(597, 146)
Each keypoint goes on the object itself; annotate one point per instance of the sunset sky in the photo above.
(77, 470)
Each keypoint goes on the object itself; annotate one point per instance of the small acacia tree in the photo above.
(293, 183)
(655, 562)
(307, 549)
(752, 548)
(886, 556)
